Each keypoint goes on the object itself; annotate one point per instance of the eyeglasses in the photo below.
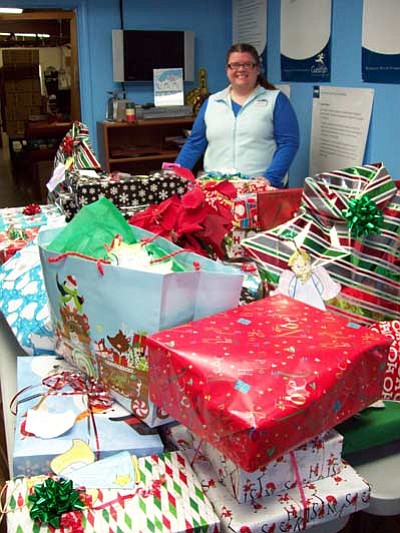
(244, 66)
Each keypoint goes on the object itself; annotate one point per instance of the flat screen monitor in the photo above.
(137, 52)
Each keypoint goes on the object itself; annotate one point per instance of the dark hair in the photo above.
(249, 49)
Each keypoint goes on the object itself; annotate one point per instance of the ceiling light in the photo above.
(11, 10)
(40, 35)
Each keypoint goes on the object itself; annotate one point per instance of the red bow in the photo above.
(68, 145)
(31, 209)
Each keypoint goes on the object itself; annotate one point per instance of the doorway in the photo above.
(28, 161)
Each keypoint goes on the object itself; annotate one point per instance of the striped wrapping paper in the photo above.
(368, 267)
(168, 498)
(75, 150)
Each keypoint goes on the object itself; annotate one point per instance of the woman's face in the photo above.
(245, 75)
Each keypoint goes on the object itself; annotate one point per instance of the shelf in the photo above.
(150, 157)
(149, 122)
(151, 134)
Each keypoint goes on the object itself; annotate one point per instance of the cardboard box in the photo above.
(10, 57)
(168, 499)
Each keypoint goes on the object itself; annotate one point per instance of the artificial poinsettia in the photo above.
(198, 221)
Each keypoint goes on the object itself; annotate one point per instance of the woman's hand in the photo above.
(263, 178)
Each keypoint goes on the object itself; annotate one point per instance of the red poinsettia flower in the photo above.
(198, 221)
(159, 219)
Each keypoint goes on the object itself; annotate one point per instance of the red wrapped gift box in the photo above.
(277, 206)
(261, 379)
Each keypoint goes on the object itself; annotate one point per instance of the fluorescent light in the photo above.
(40, 35)
(11, 10)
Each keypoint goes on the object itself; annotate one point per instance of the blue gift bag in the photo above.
(102, 313)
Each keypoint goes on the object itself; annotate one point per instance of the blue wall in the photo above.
(211, 22)
(210, 41)
(384, 133)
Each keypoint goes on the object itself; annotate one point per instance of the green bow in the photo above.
(363, 216)
(53, 498)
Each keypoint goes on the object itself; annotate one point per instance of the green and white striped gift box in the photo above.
(366, 266)
(168, 498)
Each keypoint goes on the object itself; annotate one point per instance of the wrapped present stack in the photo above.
(150, 331)
(78, 180)
(257, 390)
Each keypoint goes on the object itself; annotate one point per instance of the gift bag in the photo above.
(102, 312)
(350, 225)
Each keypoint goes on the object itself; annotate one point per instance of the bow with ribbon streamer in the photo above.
(51, 499)
(68, 145)
(58, 504)
(363, 216)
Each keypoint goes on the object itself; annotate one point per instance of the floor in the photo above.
(10, 195)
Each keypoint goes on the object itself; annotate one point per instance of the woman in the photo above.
(249, 127)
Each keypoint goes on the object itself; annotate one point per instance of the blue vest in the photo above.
(244, 143)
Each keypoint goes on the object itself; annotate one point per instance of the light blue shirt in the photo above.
(274, 147)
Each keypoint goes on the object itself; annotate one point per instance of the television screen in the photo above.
(144, 50)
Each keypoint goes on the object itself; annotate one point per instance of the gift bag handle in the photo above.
(99, 262)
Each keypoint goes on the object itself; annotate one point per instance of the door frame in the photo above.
(58, 15)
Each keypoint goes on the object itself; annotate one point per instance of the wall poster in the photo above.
(306, 40)
(381, 41)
